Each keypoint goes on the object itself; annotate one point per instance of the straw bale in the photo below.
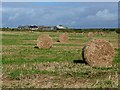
(98, 53)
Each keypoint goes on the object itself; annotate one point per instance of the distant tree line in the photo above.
(66, 30)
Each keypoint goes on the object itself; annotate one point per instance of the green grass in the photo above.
(116, 59)
(18, 72)
(117, 49)
(67, 44)
(23, 54)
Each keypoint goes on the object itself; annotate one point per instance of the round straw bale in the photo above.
(101, 33)
(63, 37)
(90, 34)
(44, 41)
(98, 53)
(82, 33)
(74, 33)
(96, 33)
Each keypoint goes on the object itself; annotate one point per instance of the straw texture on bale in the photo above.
(90, 34)
(101, 33)
(44, 41)
(96, 33)
(63, 37)
(74, 33)
(82, 33)
(98, 53)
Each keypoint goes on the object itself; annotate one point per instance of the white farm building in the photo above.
(61, 27)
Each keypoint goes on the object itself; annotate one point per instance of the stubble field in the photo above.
(58, 67)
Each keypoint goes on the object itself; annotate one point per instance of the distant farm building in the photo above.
(34, 27)
(61, 27)
(47, 28)
(23, 27)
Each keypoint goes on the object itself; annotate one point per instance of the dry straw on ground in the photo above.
(44, 41)
(63, 37)
(98, 53)
(90, 34)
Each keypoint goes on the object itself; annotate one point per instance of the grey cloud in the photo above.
(104, 15)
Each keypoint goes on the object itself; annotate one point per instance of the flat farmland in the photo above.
(61, 66)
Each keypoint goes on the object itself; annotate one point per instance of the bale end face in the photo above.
(98, 53)
(90, 34)
(44, 41)
(63, 37)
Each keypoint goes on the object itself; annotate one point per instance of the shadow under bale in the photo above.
(79, 61)
(36, 47)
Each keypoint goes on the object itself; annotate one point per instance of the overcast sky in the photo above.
(76, 15)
